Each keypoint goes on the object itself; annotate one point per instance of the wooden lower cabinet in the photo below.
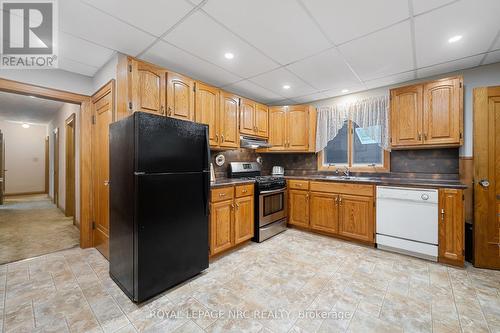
(231, 220)
(299, 208)
(451, 227)
(356, 219)
(243, 219)
(324, 212)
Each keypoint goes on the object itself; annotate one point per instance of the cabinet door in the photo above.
(147, 88)
(221, 226)
(247, 117)
(406, 116)
(442, 112)
(299, 208)
(207, 110)
(180, 97)
(262, 120)
(243, 219)
(324, 212)
(298, 128)
(451, 227)
(228, 117)
(277, 128)
(356, 217)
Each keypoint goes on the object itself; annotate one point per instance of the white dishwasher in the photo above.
(407, 221)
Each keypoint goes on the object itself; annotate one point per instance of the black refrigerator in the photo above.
(159, 196)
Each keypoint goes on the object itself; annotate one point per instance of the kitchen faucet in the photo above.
(346, 171)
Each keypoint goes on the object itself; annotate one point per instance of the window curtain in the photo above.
(372, 114)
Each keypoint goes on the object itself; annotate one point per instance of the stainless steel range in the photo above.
(270, 199)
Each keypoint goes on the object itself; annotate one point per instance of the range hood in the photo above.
(253, 143)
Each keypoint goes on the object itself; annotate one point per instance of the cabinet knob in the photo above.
(216, 137)
(244, 191)
(442, 214)
(169, 110)
(162, 110)
(484, 183)
(222, 137)
(222, 195)
(419, 136)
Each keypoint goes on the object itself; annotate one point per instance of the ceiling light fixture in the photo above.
(286, 87)
(228, 55)
(455, 39)
(345, 91)
(25, 125)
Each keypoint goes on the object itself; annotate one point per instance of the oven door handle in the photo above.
(273, 191)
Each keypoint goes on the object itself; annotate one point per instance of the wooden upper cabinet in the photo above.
(262, 120)
(427, 115)
(356, 217)
(221, 226)
(228, 119)
(277, 128)
(247, 117)
(243, 219)
(180, 97)
(406, 116)
(298, 128)
(299, 208)
(442, 112)
(147, 91)
(324, 212)
(207, 110)
(451, 227)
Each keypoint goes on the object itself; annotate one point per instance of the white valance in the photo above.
(372, 114)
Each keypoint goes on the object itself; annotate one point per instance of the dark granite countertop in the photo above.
(221, 182)
(388, 181)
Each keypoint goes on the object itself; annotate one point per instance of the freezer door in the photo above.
(165, 145)
(172, 242)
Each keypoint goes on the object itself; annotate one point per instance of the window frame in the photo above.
(377, 168)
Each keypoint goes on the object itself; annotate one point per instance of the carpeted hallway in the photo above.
(31, 226)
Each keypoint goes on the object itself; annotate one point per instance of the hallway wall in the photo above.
(59, 122)
(24, 157)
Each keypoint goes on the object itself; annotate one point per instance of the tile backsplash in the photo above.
(424, 163)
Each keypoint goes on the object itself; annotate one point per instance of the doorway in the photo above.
(70, 157)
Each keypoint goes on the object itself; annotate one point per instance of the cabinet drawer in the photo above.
(244, 190)
(221, 194)
(295, 184)
(342, 188)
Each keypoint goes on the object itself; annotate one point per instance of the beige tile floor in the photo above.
(32, 225)
(294, 282)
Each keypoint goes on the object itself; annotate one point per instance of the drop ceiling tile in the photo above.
(281, 29)
(275, 80)
(449, 67)
(196, 35)
(390, 80)
(380, 54)
(343, 20)
(492, 57)
(81, 20)
(71, 65)
(337, 92)
(310, 98)
(152, 16)
(326, 70)
(171, 57)
(83, 51)
(284, 102)
(478, 24)
(420, 6)
(250, 90)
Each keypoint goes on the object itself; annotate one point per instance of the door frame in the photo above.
(85, 145)
(70, 166)
(47, 167)
(55, 163)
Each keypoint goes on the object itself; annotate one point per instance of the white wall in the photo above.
(105, 73)
(51, 78)
(488, 75)
(24, 157)
(59, 122)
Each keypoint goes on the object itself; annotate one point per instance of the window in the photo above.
(354, 148)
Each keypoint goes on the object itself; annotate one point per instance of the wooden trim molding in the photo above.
(23, 193)
(85, 144)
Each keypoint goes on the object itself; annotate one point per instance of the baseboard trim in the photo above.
(24, 193)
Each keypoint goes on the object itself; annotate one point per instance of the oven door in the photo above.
(272, 206)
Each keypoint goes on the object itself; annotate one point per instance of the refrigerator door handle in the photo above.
(206, 192)
(206, 167)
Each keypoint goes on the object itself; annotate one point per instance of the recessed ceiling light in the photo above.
(228, 55)
(286, 87)
(25, 125)
(32, 96)
(345, 91)
(455, 39)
